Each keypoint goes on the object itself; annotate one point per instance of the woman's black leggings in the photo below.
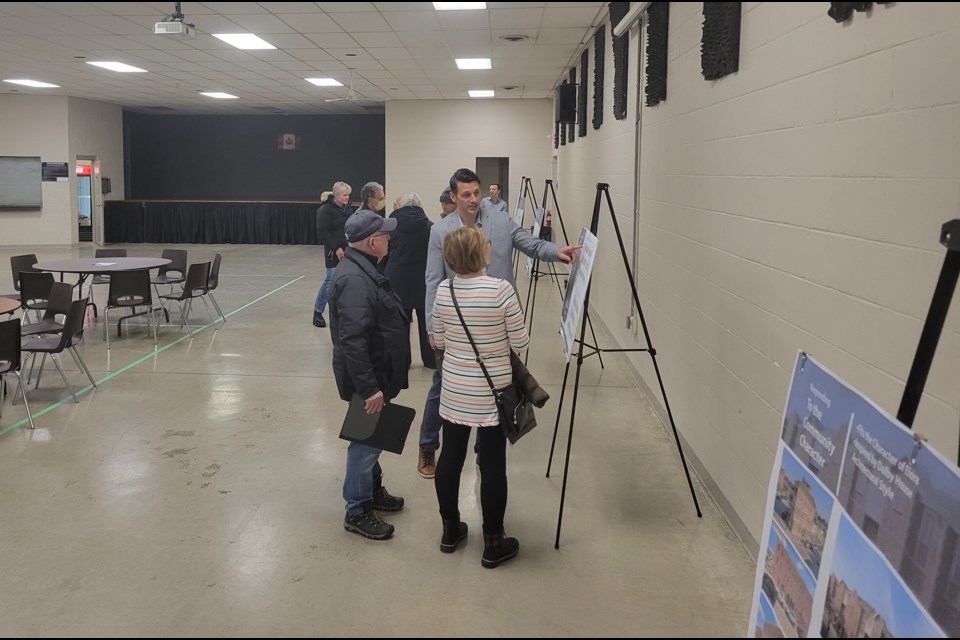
(493, 473)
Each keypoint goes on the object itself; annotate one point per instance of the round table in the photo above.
(86, 266)
(8, 305)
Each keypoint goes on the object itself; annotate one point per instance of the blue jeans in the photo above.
(363, 476)
(324, 292)
(430, 427)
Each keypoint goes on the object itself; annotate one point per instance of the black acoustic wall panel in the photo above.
(658, 29)
(571, 127)
(565, 104)
(720, 47)
(621, 59)
(582, 93)
(599, 48)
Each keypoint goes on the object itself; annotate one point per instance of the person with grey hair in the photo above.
(331, 216)
(371, 197)
(407, 266)
(370, 359)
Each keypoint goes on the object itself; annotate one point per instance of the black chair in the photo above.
(195, 287)
(213, 283)
(58, 303)
(103, 278)
(18, 264)
(35, 287)
(10, 361)
(129, 290)
(172, 273)
(68, 339)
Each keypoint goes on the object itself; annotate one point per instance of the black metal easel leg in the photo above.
(556, 425)
(933, 326)
(573, 417)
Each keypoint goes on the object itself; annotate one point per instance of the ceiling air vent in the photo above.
(515, 37)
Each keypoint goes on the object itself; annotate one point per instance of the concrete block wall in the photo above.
(795, 204)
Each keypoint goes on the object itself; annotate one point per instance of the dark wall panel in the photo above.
(236, 157)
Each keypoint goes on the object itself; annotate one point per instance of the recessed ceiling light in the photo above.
(473, 63)
(244, 40)
(458, 6)
(34, 83)
(324, 82)
(218, 94)
(481, 93)
(118, 66)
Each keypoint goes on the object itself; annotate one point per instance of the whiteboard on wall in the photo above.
(21, 182)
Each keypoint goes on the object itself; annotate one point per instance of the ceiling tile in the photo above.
(223, 8)
(337, 7)
(262, 24)
(412, 20)
(290, 7)
(515, 18)
(368, 40)
(333, 40)
(463, 20)
(311, 22)
(291, 41)
(563, 36)
(569, 16)
(389, 53)
(422, 38)
(361, 22)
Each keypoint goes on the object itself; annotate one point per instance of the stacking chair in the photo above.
(212, 284)
(18, 264)
(68, 339)
(58, 303)
(172, 273)
(198, 277)
(129, 290)
(10, 360)
(35, 287)
(103, 278)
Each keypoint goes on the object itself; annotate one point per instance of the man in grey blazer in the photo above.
(505, 236)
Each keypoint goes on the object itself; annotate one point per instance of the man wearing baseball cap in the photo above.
(371, 356)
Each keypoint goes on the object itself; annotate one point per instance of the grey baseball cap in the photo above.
(445, 197)
(365, 223)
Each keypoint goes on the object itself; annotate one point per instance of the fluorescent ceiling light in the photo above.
(218, 94)
(34, 83)
(324, 82)
(244, 40)
(473, 63)
(481, 93)
(118, 66)
(458, 6)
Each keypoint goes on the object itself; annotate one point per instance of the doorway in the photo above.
(495, 170)
(85, 200)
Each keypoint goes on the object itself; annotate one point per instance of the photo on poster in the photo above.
(766, 624)
(802, 509)
(865, 598)
(817, 418)
(906, 500)
(792, 585)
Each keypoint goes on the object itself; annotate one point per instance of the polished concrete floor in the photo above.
(197, 491)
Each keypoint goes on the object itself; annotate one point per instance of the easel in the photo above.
(933, 326)
(536, 273)
(604, 189)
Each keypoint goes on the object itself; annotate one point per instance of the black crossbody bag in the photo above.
(516, 415)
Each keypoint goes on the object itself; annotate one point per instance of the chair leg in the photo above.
(23, 391)
(185, 317)
(43, 361)
(203, 299)
(106, 326)
(3, 389)
(153, 324)
(216, 306)
(63, 375)
(81, 364)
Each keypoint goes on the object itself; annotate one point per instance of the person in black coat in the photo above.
(370, 358)
(331, 216)
(407, 265)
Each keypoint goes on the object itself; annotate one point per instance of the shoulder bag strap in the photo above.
(483, 367)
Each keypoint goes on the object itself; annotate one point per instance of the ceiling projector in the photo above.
(175, 28)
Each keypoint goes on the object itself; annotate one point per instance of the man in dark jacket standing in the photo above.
(407, 265)
(371, 356)
(331, 216)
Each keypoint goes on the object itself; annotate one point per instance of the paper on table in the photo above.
(104, 264)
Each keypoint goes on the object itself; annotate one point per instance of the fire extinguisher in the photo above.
(546, 230)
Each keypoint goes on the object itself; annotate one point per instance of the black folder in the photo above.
(385, 430)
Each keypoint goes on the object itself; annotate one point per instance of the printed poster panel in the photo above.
(577, 285)
(537, 222)
(518, 212)
(861, 536)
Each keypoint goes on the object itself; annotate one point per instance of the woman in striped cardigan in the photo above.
(494, 318)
